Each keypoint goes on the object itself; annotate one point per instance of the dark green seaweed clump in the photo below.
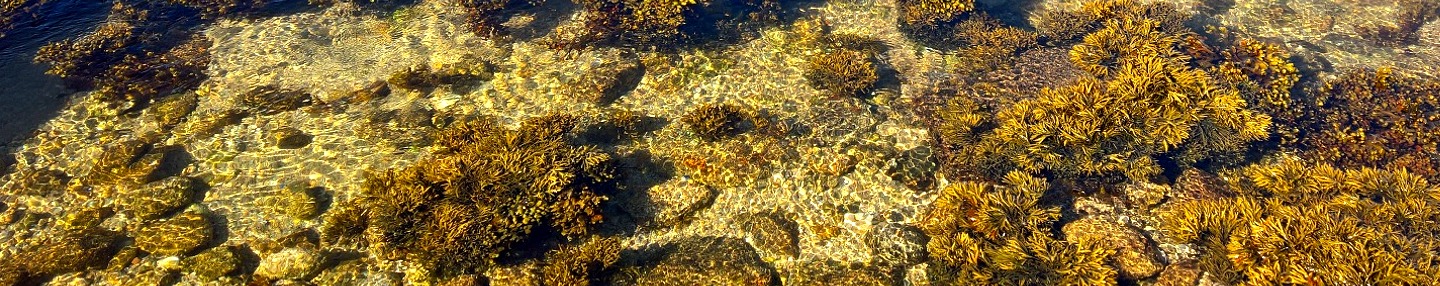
(488, 189)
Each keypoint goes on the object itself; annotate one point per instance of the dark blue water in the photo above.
(29, 97)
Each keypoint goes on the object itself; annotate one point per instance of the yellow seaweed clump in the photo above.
(1059, 27)
(1000, 234)
(487, 189)
(1141, 100)
(845, 70)
(1298, 223)
(933, 12)
(644, 19)
(1379, 119)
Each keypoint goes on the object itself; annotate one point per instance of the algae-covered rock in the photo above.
(604, 79)
(832, 273)
(177, 235)
(213, 263)
(170, 110)
(896, 244)
(269, 99)
(700, 261)
(1134, 257)
(673, 202)
(774, 234)
(296, 201)
(915, 168)
(289, 138)
(157, 199)
(294, 263)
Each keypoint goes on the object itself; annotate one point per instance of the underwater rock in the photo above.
(1134, 257)
(915, 168)
(896, 244)
(1195, 184)
(604, 79)
(357, 272)
(170, 110)
(270, 99)
(1145, 195)
(774, 234)
(289, 138)
(176, 235)
(293, 263)
(713, 122)
(206, 124)
(1178, 274)
(423, 77)
(159, 198)
(126, 162)
(700, 261)
(831, 273)
(213, 263)
(37, 182)
(69, 251)
(297, 201)
(674, 201)
(374, 90)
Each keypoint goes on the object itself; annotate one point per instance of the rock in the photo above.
(177, 235)
(291, 263)
(289, 138)
(170, 110)
(896, 244)
(374, 90)
(915, 168)
(832, 273)
(674, 201)
(355, 272)
(1145, 195)
(1135, 257)
(1180, 274)
(602, 80)
(699, 261)
(157, 199)
(213, 263)
(1195, 184)
(296, 201)
(773, 234)
(271, 99)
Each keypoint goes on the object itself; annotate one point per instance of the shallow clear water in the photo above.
(738, 143)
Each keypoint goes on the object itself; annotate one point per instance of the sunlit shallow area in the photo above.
(719, 142)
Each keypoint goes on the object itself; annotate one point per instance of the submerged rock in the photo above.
(213, 263)
(773, 234)
(291, 263)
(700, 261)
(832, 273)
(159, 198)
(270, 99)
(896, 244)
(1134, 257)
(177, 235)
(289, 138)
